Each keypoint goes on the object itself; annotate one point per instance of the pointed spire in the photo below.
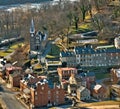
(32, 28)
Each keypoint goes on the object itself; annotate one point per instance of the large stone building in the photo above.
(88, 56)
(38, 40)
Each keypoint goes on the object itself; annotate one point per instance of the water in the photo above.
(30, 5)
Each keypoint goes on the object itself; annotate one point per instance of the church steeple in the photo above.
(32, 28)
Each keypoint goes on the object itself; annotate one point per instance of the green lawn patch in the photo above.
(10, 49)
(102, 75)
(55, 50)
(14, 46)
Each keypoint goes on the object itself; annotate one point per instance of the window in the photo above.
(42, 88)
(57, 92)
(48, 91)
(36, 97)
(57, 96)
(35, 93)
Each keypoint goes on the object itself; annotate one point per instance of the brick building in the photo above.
(65, 73)
(14, 75)
(14, 79)
(99, 92)
(42, 92)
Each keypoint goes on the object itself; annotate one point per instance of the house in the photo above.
(11, 74)
(65, 73)
(115, 91)
(14, 79)
(115, 75)
(3, 70)
(41, 91)
(72, 89)
(83, 93)
(12, 69)
(99, 92)
(88, 79)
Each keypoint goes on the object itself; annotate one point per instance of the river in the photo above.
(30, 5)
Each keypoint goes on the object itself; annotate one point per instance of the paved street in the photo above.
(9, 98)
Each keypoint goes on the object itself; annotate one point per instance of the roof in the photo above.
(66, 68)
(32, 81)
(81, 88)
(67, 54)
(88, 74)
(26, 91)
(90, 50)
(117, 72)
(97, 87)
(116, 86)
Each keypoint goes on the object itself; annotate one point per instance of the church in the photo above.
(38, 40)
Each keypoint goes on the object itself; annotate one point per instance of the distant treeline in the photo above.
(10, 2)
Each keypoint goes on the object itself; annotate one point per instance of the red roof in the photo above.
(13, 68)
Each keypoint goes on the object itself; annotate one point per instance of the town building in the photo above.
(87, 56)
(88, 79)
(14, 79)
(115, 91)
(14, 75)
(115, 75)
(100, 92)
(38, 41)
(117, 42)
(69, 58)
(65, 73)
(42, 92)
(83, 93)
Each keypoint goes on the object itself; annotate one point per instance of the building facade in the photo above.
(99, 92)
(65, 73)
(83, 93)
(115, 75)
(37, 39)
(42, 92)
(87, 56)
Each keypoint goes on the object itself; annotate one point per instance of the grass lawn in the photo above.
(14, 46)
(102, 75)
(10, 50)
(55, 50)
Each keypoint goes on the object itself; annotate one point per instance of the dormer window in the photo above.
(32, 35)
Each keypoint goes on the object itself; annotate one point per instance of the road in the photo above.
(9, 98)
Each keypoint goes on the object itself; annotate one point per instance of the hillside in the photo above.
(10, 2)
